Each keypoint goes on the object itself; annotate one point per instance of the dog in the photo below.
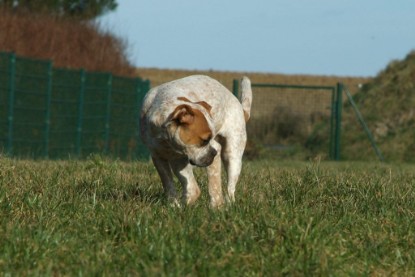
(196, 121)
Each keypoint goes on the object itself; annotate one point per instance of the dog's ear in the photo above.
(183, 114)
(202, 103)
(205, 105)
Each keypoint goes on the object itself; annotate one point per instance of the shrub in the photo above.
(68, 42)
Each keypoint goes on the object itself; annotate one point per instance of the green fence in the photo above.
(50, 112)
(295, 121)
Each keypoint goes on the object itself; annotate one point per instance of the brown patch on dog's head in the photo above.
(202, 103)
(194, 128)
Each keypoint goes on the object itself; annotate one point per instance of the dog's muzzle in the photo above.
(206, 160)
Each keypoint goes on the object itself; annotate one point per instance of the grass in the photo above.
(104, 217)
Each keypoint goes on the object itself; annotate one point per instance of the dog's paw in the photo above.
(191, 196)
(174, 203)
(230, 199)
(217, 203)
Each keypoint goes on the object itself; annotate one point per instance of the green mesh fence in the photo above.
(31, 107)
(4, 99)
(66, 113)
(96, 112)
(123, 115)
(295, 121)
(59, 113)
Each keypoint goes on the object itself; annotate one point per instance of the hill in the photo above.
(68, 42)
(387, 103)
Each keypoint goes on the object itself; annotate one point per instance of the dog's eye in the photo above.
(206, 141)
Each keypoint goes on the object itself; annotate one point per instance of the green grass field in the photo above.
(103, 217)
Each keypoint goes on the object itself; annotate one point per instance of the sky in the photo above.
(316, 37)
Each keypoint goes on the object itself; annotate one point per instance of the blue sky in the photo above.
(323, 37)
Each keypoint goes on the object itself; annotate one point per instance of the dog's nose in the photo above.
(207, 160)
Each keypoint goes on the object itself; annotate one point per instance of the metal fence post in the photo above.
(80, 113)
(339, 105)
(12, 72)
(235, 88)
(138, 84)
(47, 114)
(332, 143)
(108, 114)
(142, 87)
(364, 125)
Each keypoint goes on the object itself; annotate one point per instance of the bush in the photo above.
(68, 42)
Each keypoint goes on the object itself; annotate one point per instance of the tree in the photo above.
(84, 9)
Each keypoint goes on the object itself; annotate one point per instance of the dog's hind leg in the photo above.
(232, 158)
(184, 172)
(215, 182)
(233, 170)
(166, 176)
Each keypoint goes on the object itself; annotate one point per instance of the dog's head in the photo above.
(191, 132)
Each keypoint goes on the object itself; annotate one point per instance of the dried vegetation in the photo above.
(69, 43)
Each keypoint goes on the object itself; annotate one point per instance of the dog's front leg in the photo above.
(164, 170)
(184, 172)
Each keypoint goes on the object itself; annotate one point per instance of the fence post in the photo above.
(339, 105)
(138, 84)
(142, 87)
(363, 123)
(235, 88)
(108, 114)
(12, 71)
(80, 113)
(47, 115)
(332, 149)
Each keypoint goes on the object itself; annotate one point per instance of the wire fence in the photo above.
(48, 112)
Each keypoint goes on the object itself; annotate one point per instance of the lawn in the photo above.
(104, 217)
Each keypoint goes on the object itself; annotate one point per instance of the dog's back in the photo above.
(161, 101)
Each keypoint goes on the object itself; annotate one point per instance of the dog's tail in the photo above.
(246, 97)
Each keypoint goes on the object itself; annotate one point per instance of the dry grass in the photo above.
(159, 76)
(69, 43)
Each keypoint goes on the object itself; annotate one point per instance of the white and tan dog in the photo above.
(196, 121)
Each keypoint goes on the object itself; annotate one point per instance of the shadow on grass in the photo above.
(128, 193)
